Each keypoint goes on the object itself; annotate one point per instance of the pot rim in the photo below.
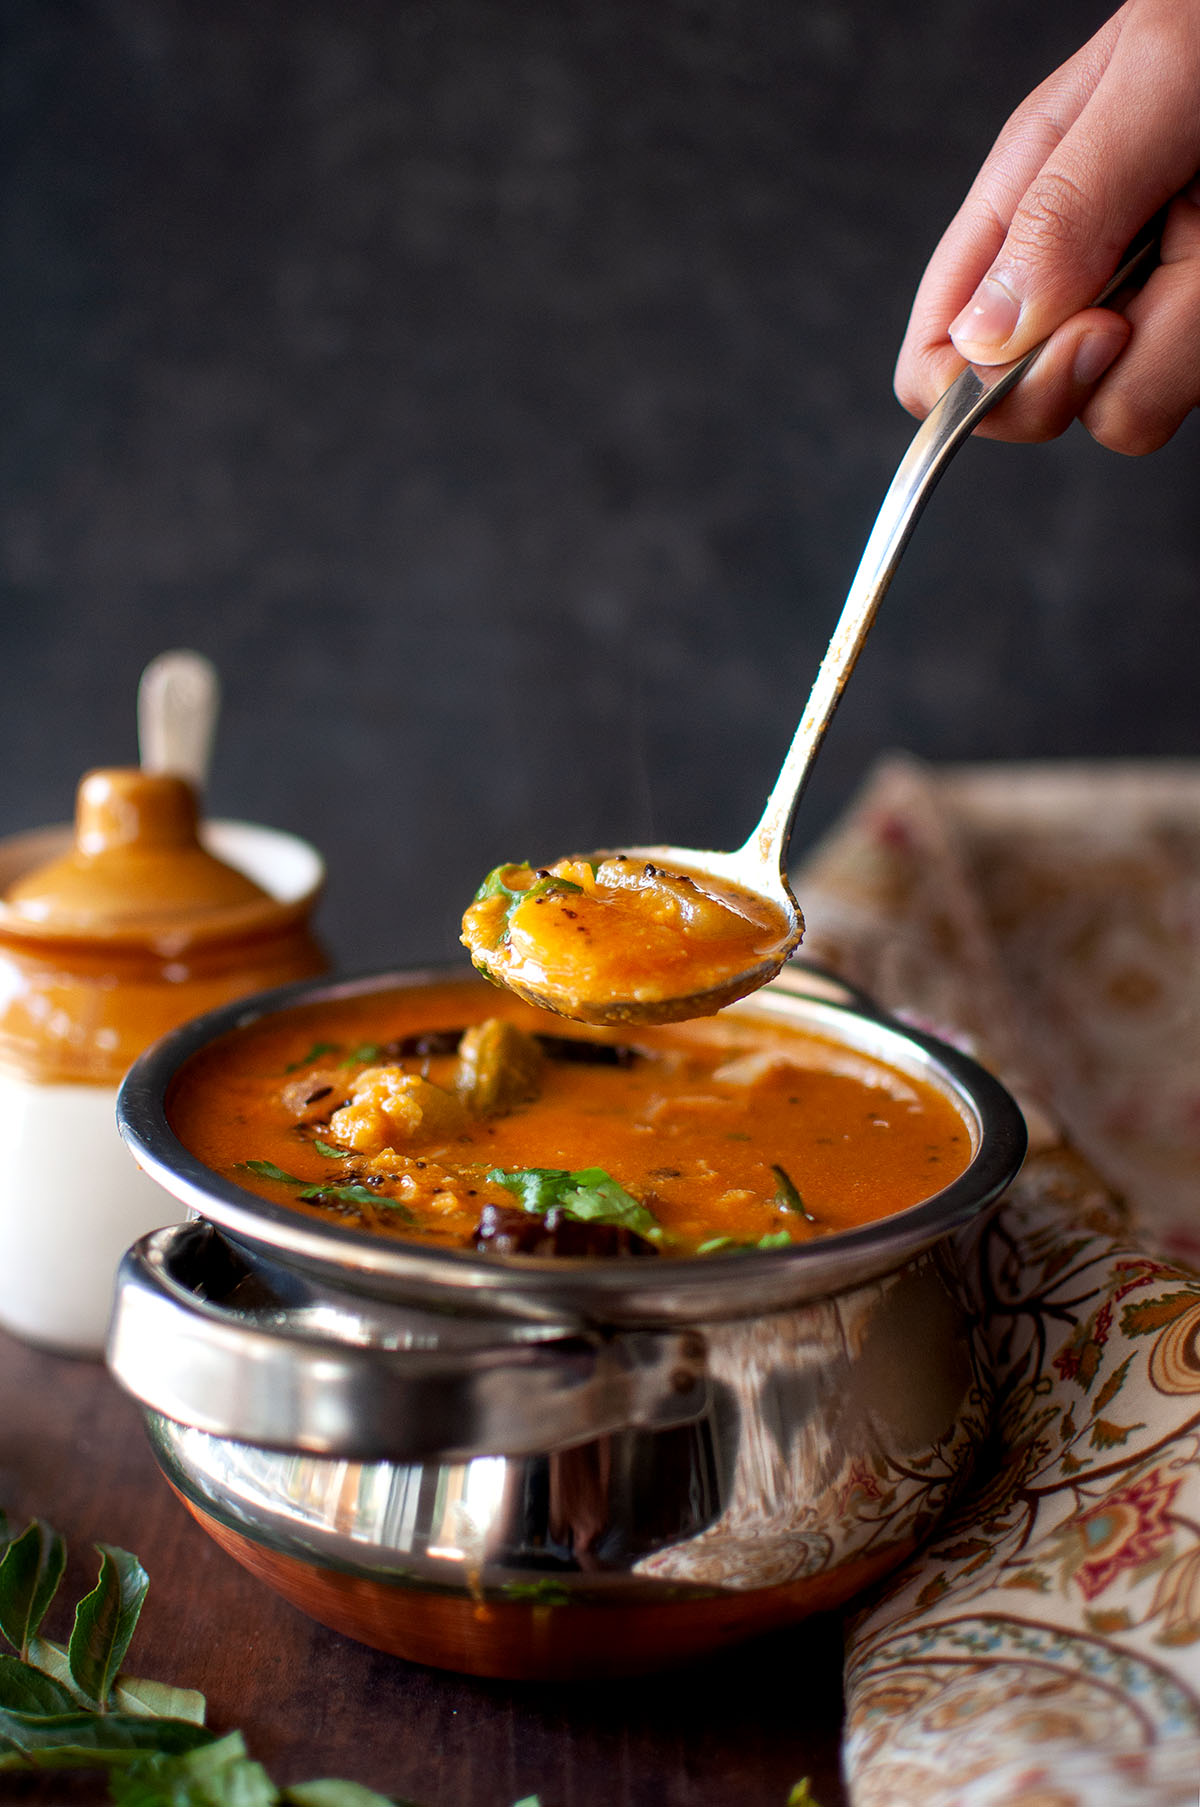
(595, 1289)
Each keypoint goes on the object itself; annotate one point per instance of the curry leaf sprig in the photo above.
(72, 1707)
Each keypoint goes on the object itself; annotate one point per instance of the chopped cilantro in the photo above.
(590, 1195)
(774, 1239)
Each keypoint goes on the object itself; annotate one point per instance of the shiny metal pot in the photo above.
(525, 1467)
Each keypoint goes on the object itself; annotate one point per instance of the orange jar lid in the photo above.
(135, 872)
(113, 934)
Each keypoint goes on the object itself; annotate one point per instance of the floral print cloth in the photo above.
(1044, 1650)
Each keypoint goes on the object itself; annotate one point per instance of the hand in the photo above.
(1081, 166)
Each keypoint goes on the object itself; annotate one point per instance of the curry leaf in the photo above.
(315, 1053)
(788, 1198)
(82, 1740)
(337, 1794)
(105, 1620)
(158, 1700)
(24, 1689)
(330, 1153)
(267, 1170)
(30, 1572)
(356, 1195)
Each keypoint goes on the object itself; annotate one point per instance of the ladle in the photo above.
(760, 865)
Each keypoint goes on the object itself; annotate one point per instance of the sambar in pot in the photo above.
(526, 1349)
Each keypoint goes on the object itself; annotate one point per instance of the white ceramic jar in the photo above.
(110, 935)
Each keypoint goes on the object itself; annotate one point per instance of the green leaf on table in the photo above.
(218, 1774)
(588, 1194)
(158, 1700)
(30, 1571)
(24, 1689)
(83, 1740)
(130, 1693)
(105, 1620)
(336, 1794)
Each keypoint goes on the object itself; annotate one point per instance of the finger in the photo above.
(1062, 379)
(1136, 142)
(1156, 383)
(927, 361)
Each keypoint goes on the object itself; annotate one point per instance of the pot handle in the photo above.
(198, 1337)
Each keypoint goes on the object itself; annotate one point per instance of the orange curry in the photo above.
(458, 1115)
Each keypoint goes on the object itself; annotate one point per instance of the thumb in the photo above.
(1133, 145)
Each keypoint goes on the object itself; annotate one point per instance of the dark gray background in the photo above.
(500, 392)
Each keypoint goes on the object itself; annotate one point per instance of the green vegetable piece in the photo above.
(495, 884)
(788, 1198)
(105, 1620)
(30, 1572)
(267, 1170)
(329, 1153)
(589, 1194)
(363, 1055)
(499, 1066)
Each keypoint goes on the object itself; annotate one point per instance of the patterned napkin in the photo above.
(1044, 1651)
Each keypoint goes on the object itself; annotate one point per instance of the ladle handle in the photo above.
(951, 420)
(178, 700)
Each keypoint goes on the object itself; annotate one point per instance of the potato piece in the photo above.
(499, 1067)
(389, 1106)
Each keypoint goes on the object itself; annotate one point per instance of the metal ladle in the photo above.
(760, 865)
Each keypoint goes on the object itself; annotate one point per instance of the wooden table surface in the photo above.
(733, 1731)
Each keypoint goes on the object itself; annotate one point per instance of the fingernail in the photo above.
(989, 319)
(1093, 357)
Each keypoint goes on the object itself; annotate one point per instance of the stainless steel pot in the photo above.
(530, 1467)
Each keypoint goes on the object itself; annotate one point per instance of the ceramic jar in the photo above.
(110, 935)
